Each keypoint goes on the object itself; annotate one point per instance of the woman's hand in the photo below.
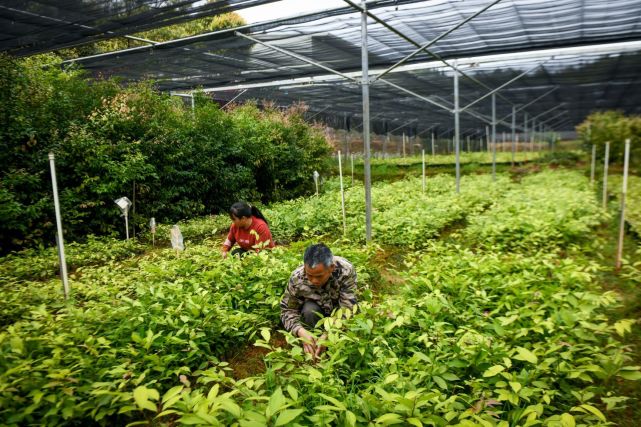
(224, 254)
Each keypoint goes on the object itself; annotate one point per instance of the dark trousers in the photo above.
(311, 314)
(239, 251)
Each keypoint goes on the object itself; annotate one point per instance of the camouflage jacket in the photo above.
(339, 291)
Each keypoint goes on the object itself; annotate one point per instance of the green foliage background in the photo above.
(109, 140)
(615, 127)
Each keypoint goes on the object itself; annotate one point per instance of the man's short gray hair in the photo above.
(318, 254)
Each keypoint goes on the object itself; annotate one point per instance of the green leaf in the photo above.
(630, 375)
(336, 403)
(414, 421)
(450, 376)
(594, 411)
(287, 416)
(142, 396)
(172, 392)
(623, 326)
(293, 393)
(264, 332)
(440, 382)
(494, 370)
(390, 378)
(276, 401)
(350, 418)
(527, 355)
(567, 420)
(388, 419)
(230, 406)
(17, 345)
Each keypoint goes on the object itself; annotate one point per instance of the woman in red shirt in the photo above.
(249, 229)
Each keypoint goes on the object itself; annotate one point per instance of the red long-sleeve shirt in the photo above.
(257, 233)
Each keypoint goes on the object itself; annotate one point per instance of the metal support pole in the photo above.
(513, 134)
(493, 137)
(624, 191)
(423, 154)
(340, 173)
(352, 159)
(593, 164)
(60, 239)
(403, 144)
(385, 142)
(433, 152)
(606, 161)
(525, 132)
(366, 135)
(487, 138)
(533, 130)
(457, 130)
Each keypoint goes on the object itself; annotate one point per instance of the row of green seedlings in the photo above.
(400, 218)
(395, 205)
(150, 322)
(491, 335)
(150, 310)
(446, 159)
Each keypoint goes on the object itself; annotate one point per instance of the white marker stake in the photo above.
(606, 161)
(624, 191)
(423, 153)
(340, 173)
(61, 244)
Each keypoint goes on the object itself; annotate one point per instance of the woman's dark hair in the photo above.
(243, 209)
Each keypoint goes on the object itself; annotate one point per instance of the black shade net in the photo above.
(28, 27)
(228, 63)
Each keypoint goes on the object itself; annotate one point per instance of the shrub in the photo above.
(109, 141)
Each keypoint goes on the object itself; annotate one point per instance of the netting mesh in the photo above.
(28, 27)
(514, 29)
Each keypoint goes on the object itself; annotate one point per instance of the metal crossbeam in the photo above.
(233, 99)
(297, 56)
(504, 85)
(387, 82)
(552, 118)
(403, 125)
(548, 111)
(426, 45)
(532, 102)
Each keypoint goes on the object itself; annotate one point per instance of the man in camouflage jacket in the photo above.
(323, 283)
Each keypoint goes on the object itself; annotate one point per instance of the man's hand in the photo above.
(309, 342)
(319, 347)
(224, 254)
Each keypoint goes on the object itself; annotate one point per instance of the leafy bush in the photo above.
(615, 127)
(109, 142)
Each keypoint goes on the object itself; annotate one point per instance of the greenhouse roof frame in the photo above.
(28, 27)
(222, 64)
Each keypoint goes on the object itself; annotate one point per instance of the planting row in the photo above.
(486, 336)
(402, 214)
